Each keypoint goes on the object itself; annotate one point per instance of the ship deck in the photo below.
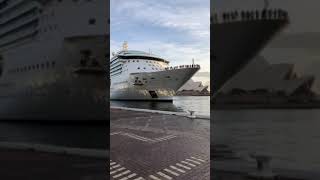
(147, 145)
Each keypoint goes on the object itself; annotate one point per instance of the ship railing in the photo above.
(183, 67)
(249, 15)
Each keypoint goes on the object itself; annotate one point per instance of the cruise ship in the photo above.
(237, 37)
(137, 75)
(52, 59)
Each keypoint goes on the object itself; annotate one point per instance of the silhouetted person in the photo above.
(236, 15)
(264, 14)
(257, 14)
(275, 14)
(243, 15)
(269, 14)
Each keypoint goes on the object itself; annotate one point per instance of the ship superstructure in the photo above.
(52, 59)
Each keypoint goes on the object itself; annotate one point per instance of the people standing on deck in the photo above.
(264, 14)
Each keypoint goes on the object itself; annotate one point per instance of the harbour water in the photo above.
(290, 137)
(199, 104)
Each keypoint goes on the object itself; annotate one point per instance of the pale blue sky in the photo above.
(175, 30)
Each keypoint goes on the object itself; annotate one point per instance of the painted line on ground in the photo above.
(122, 173)
(180, 168)
(171, 172)
(145, 139)
(164, 175)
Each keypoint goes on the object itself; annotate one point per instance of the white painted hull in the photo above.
(163, 83)
(42, 77)
(59, 92)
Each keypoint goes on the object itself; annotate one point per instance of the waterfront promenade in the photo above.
(158, 145)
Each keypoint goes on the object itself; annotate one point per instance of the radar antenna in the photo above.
(125, 46)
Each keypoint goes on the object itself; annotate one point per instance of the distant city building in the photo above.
(192, 88)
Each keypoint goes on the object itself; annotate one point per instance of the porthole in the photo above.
(92, 21)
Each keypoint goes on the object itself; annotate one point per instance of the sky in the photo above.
(178, 31)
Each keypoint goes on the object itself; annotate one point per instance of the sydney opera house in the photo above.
(193, 88)
(264, 83)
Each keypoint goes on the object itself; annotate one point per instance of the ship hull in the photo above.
(234, 44)
(63, 91)
(154, 86)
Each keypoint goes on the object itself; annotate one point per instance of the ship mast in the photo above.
(125, 46)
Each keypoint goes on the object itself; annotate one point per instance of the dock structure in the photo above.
(155, 145)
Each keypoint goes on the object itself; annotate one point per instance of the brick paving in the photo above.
(157, 146)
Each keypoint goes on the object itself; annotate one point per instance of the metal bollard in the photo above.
(264, 170)
(191, 114)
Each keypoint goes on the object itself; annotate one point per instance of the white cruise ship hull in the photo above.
(52, 60)
(65, 91)
(154, 86)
